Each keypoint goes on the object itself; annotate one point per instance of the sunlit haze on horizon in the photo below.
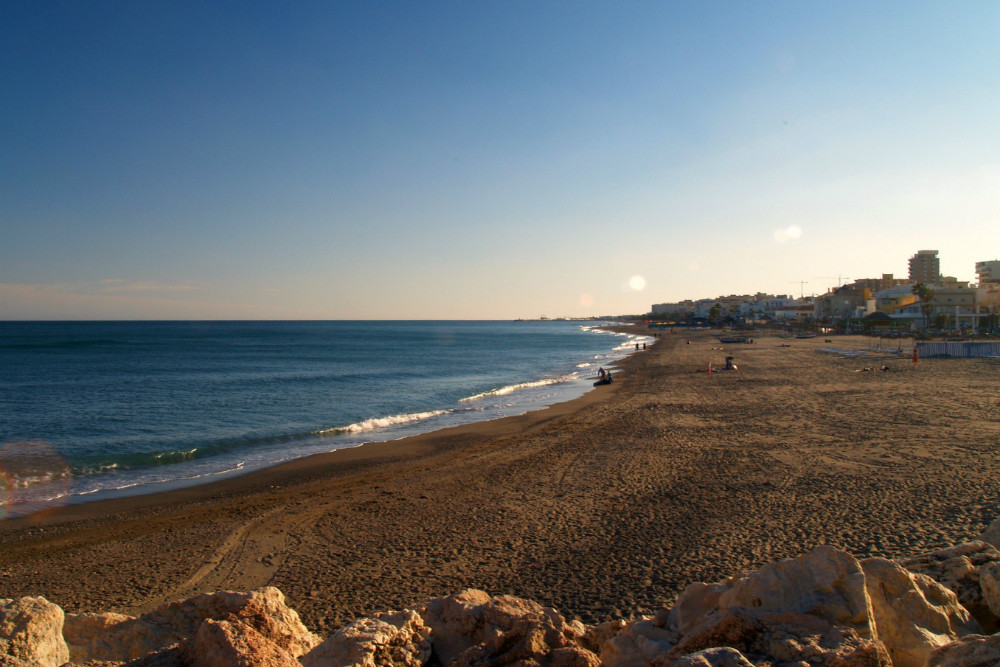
(431, 160)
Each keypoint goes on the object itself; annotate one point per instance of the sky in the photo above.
(484, 160)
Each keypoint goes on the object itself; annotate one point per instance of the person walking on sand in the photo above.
(602, 374)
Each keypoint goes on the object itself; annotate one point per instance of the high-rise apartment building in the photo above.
(925, 267)
(988, 272)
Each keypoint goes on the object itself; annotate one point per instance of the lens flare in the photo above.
(637, 283)
(33, 478)
(586, 300)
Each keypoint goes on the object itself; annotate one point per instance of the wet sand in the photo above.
(602, 507)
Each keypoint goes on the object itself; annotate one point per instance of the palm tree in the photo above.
(926, 295)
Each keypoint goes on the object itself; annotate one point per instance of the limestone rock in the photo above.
(913, 613)
(694, 605)
(959, 568)
(596, 636)
(31, 632)
(87, 635)
(639, 644)
(232, 643)
(989, 587)
(774, 638)
(826, 583)
(264, 610)
(970, 651)
(399, 639)
(472, 628)
(714, 657)
(992, 534)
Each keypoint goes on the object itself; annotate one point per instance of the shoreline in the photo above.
(610, 502)
(304, 468)
(570, 390)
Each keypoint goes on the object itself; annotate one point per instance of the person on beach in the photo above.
(601, 374)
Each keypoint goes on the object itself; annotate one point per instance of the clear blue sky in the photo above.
(484, 159)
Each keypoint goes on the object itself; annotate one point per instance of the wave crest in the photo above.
(511, 388)
(381, 422)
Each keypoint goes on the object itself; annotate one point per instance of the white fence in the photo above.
(963, 350)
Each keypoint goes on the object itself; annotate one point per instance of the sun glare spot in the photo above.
(637, 283)
(586, 300)
(789, 233)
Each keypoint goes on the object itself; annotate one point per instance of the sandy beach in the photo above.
(602, 507)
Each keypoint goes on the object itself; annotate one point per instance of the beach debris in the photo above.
(31, 632)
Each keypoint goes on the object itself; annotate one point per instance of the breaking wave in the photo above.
(511, 388)
(381, 422)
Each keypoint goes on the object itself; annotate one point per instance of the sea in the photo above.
(96, 410)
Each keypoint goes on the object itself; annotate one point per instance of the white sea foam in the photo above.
(511, 388)
(381, 422)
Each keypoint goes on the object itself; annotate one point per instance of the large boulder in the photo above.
(970, 651)
(723, 656)
(31, 632)
(105, 637)
(961, 569)
(399, 639)
(825, 582)
(780, 638)
(472, 628)
(89, 636)
(913, 613)
(639, 644)
(232, 643)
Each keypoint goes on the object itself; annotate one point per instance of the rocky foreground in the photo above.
(822, 609)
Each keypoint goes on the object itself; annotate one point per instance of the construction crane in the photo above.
(840, 279)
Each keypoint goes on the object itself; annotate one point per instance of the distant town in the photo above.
(924, 301)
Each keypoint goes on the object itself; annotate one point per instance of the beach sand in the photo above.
(603, 507)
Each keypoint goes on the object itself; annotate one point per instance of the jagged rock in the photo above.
(87, 635)
(992, 534)
(638, 644)
(399, 639)
(596, 636)
(826, 583)
(959, 568)
(776, 638)
(232, 643)
(970, 651)
(11, 661)
(31, 632)
(989, 586)
(913, 613)
(471, 628)
(694, 605)
(264, 610)
(714, 657)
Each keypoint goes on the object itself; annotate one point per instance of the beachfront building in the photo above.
(895, 299)
(767, 307)
(676, 310)
(988, 272)
(925, 267)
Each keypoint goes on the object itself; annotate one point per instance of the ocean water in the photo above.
(91, 410)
